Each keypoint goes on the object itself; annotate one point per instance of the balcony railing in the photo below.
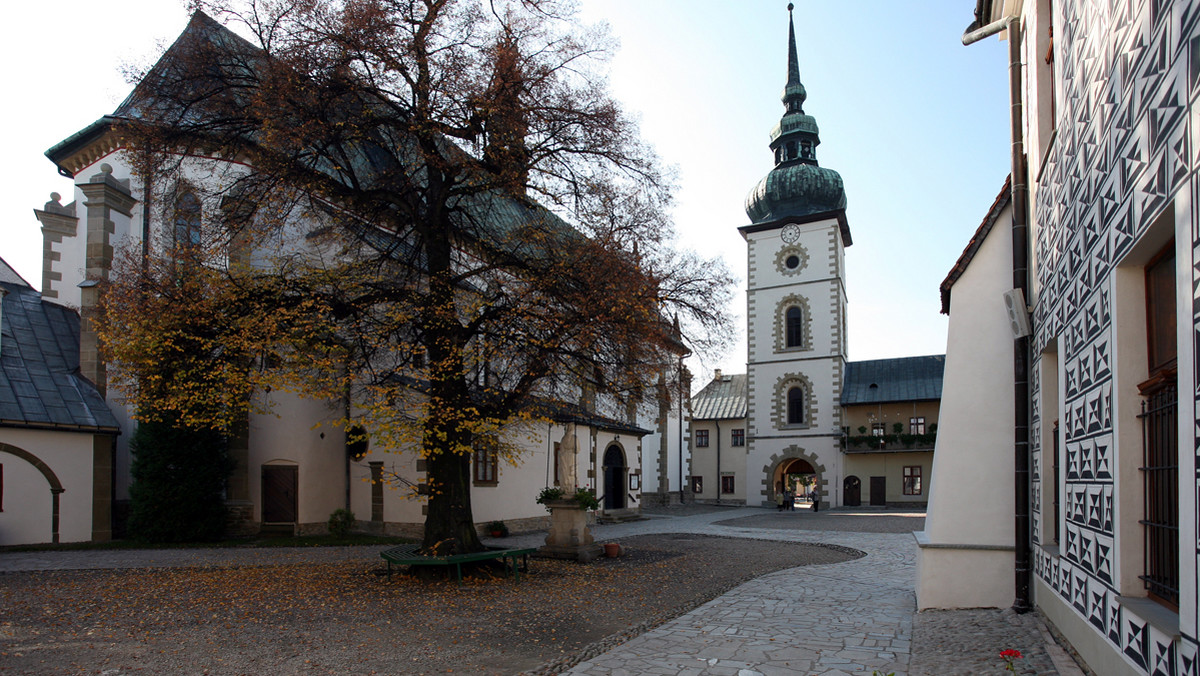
(889, 442)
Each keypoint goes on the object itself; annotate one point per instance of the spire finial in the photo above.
(793, 61)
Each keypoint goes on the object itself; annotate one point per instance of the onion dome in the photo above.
(797, 186)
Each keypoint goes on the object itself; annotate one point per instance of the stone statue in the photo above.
(568, 448)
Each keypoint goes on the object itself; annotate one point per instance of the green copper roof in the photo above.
(797, 186)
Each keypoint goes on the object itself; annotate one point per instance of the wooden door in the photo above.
(879, 490)
(279, 488)
(614, 478)
(852, 491)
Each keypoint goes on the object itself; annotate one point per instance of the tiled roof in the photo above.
(885, 380)
(40, 383)
(981, 233)
(722, 399)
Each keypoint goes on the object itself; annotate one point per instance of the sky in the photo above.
(915, 123)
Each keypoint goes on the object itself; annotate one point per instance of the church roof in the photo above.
(40, 382)
(797, 187)
(722, 399)
(886, 380)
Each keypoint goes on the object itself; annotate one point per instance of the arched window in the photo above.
(794, 327)
(187, 220)
(795, 406)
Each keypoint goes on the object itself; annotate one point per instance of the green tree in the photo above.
(178, 478)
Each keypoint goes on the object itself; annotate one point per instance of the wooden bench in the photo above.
(406, 555)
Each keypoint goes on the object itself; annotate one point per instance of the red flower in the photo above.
(1011, 654)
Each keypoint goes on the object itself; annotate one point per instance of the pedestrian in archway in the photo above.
(816, 500)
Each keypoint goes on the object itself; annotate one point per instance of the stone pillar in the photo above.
(569, 536)
(57, 222)
(104, 196)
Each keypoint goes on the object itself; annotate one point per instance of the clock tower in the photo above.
(796, 309)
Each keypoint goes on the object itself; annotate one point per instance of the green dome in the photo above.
(797, 186)
(795, 190)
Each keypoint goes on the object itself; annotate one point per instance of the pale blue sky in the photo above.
(914, 122)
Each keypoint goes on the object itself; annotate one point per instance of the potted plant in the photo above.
(497, 529)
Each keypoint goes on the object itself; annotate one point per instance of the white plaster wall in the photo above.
(971, 484)
(299, 433)
(27, 498)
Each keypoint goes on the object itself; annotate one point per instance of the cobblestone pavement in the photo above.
(846, 618)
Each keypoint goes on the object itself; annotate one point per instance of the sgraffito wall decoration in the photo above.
(1126, 148)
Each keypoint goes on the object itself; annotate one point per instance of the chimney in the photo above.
(717, 375)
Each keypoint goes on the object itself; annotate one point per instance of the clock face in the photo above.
(790, 233)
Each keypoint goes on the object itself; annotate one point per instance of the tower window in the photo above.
(794, 319)
(792, 262)
(795, 406)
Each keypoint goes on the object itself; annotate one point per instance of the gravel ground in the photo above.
(344, 617)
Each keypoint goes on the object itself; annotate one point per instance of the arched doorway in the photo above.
(615, 470)
(797, 476)
(852, 491)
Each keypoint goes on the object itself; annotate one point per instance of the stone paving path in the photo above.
(831, 620)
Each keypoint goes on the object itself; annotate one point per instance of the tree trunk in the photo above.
(449, 524)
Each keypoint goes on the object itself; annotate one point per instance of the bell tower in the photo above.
(796, 306)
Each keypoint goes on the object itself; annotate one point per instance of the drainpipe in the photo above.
(1020, 271)
(1021, 345)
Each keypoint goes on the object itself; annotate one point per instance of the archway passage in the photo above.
(798, 477)
(615, 470)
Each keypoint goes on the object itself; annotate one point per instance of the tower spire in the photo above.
(793, 60)
(797, 186)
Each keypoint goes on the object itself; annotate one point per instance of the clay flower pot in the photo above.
(612, 550)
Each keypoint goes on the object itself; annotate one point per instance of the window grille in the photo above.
(1160, 473)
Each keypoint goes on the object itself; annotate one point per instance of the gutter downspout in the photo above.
(1020, 270)
(1021, 345)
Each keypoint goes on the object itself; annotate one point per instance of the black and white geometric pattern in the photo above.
(1127, 146)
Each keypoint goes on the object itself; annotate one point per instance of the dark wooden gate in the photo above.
(879, 490)
(279, 488)
(614, 478)
(852, 491)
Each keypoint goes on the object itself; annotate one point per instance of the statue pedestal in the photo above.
(569, 537)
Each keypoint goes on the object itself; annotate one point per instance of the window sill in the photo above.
(486, 484)
(1051, 549)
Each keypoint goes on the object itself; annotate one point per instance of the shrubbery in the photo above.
(179, 475)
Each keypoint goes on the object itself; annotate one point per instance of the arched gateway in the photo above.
(795, 468)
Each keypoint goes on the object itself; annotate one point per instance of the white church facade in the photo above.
(294, 465)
